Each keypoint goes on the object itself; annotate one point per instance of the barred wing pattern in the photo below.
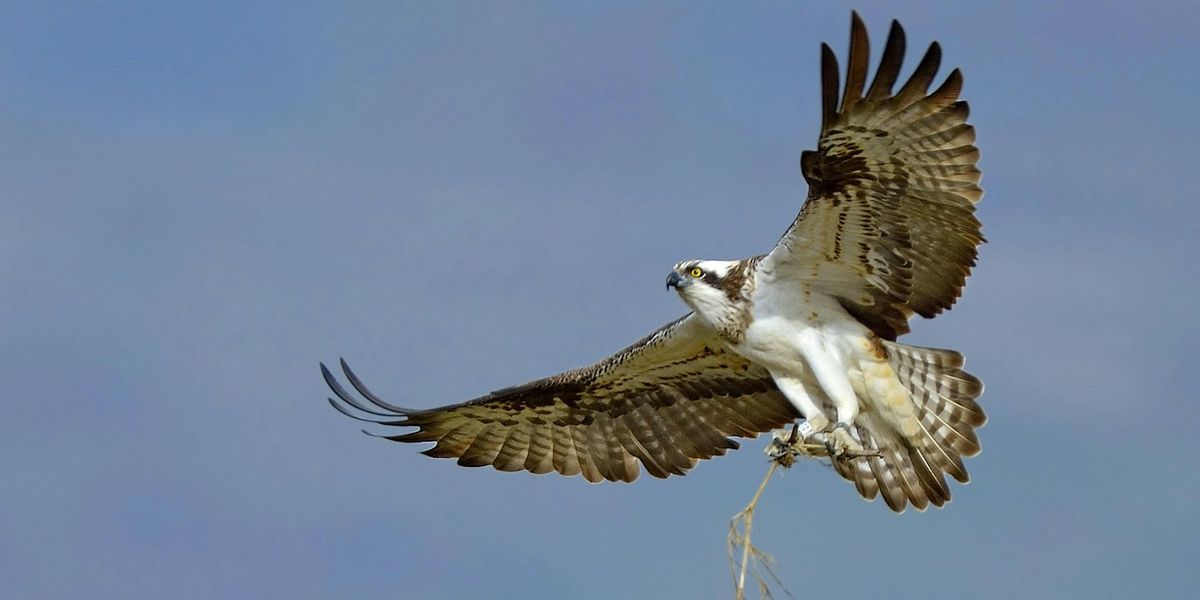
(667, 401)
(888, 226)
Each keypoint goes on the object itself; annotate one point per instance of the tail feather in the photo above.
(945, 459)
(935, 379)
(913, 487)
(902, 475)
(859, 470)
(930, 473)
(890, 486)
(946, 400)
(875, 475)
(911, 469)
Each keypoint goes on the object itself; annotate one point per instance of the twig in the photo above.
(783, 452)
(746, 519)
(821, 451)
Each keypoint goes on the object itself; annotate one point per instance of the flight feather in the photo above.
(888, 226)
(667, 401)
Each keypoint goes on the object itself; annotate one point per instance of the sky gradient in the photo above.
(201, 200)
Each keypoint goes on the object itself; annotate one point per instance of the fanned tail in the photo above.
(911, 468)
(946, 398)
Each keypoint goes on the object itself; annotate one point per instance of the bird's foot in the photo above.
(841, 442)
(803, 439)
(781, 443)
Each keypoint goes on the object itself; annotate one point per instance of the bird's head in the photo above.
(712, 288)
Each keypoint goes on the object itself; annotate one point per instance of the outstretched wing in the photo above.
(667, 401)
(888, 227)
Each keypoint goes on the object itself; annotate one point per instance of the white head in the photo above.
(712, 288)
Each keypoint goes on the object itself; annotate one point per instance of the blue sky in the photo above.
(202, 200)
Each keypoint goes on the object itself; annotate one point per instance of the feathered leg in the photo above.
(831, 375)
(815, 420)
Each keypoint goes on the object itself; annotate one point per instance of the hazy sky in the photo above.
(199, 201)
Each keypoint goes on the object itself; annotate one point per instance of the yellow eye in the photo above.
(696, 272)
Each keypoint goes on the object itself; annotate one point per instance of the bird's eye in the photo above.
(696, 272)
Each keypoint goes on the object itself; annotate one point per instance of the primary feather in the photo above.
(667, 401)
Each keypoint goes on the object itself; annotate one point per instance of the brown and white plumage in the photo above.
(666, 402)
(889, 225)
(945, 397)
(808, 330)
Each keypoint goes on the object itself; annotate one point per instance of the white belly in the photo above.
(780, 332)
(772, 339)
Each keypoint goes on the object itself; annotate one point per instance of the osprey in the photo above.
(807, 330)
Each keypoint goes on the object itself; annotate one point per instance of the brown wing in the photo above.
(667, 401)
(889, 226)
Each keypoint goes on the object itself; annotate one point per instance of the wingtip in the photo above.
(369, 395)
(934, 53)
(956, 76)
(390, 420)
(856, 23)
(918, 83)
(349, 399)
(829, 85)
(896, 36)
(857, 63)
(889, 64)
(338, 407)
(330, 380)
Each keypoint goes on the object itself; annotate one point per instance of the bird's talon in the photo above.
(842, 442)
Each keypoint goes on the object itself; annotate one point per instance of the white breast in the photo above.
(781, 313)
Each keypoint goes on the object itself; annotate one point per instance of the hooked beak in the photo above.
(675, 280)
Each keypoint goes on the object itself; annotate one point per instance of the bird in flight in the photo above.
(806, 331)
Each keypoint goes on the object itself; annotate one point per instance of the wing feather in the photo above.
(663, 403)
(889, 64)
(565, 461)
(631, 444)
(888, 227)
(515, 450)
(540, 458)
(857, 64)
(669, 437)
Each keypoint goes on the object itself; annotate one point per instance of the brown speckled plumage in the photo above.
(889, 225)
(665, 402)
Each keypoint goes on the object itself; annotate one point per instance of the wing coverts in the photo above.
(888, 226)
(666, 402)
